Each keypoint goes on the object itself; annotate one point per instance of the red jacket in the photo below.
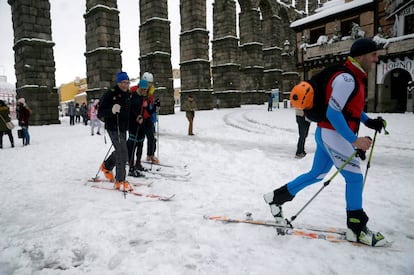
(355, 105)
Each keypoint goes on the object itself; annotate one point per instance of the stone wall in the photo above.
(103, 53)
(155, 50)
(194, 55)
(225, 67)
(34, 59)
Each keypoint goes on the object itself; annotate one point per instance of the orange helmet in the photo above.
(301, 96)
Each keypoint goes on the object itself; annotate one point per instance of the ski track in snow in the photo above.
(55, 224)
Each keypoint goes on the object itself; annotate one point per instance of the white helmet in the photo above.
(148, 77)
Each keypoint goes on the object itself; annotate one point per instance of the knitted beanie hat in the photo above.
(121, 76)
(143, 84)
(363, 46)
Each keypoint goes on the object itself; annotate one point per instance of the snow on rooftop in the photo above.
(330, 8)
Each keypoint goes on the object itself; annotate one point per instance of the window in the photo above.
(315, 33)
(409, 24)
(346, 26)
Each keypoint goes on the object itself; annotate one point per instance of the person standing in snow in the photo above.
(114, 109)
(4, 113)
(270, 102)
(137, 128)
(84, 113)
(71, 113)
(23, 115)
(190, 107)
(77, 113)
(337, 139)
(153, 108)
(93, 116)
(303, 128)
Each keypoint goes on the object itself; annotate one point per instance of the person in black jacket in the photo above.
(4, 118)
(136, 127)
(114, 109)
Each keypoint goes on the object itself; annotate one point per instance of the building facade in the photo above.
(326, 37)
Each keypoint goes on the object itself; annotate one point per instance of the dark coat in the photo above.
(136, 110)
(23, 114)
(111, 97)
(4, 112)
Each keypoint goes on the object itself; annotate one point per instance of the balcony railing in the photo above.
(336, 48)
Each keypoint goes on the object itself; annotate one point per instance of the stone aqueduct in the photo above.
(243, 67)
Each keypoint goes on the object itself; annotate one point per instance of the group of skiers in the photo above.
(131, 111)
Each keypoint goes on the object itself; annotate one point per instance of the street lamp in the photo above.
(286, 46)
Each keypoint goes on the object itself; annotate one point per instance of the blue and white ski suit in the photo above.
(334, 138)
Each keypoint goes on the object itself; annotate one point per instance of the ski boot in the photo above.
(134, 172)
(108, 173)
(275, 199)
(123, 185)
(358, 231)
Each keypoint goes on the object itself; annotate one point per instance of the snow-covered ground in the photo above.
(52, 222)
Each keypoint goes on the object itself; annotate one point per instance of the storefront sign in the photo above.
(384, 67)
(392, 5)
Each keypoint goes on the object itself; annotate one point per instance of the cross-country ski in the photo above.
(137, 193)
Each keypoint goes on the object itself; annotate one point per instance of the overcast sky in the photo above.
(68, 32)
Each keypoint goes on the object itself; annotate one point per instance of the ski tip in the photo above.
(167, 198)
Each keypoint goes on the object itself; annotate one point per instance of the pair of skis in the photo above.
(331, 234)
(99, 184)
(153, 173)
(171, 172)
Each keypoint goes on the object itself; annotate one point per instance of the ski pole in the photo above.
(158, 138)
(369, 159)
(117, 126)
(384, 126)
(326, 183)
(158, 133)
(372, 150)
(131, 159)
(99, 169)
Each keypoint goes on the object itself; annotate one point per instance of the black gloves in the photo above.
(376, 124)
(361, 154)
(157, 102)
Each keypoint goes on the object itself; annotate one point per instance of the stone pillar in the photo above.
(34, 60)
(313, 5)
(155, 50)
(272, 29)
(225, 68)
(103, 53)
(194, 56)
(251, 56)
(301, 5)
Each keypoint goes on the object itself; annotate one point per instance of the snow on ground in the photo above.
(52, 222)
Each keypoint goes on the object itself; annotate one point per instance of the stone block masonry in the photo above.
(103, 53)
(155, 50)
(194, 57)
(34, 59)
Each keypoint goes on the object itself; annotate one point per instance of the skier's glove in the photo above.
(116, 109)
(376, 124)
(361, 154)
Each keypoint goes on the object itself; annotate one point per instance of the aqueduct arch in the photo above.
(243, 66)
